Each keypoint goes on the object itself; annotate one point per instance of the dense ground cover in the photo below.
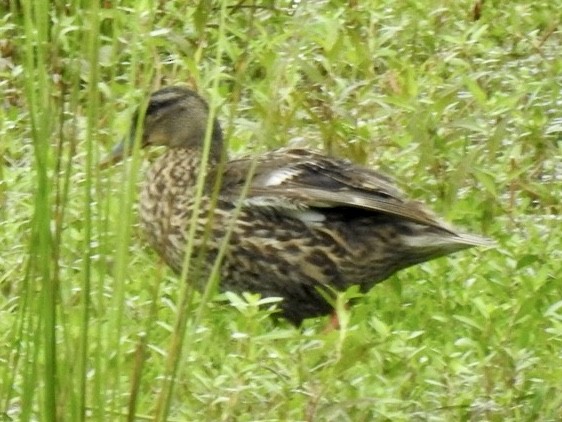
(460, 101)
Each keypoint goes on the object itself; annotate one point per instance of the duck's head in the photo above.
(175, 117)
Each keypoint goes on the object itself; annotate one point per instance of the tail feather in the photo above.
(428, 242)
(473, 240)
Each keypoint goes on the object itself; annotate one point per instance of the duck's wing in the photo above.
(293, 179)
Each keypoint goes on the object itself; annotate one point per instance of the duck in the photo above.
(291, 223)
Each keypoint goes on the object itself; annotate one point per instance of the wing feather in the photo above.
(305, 179)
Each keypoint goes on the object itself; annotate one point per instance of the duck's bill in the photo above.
(116, 155)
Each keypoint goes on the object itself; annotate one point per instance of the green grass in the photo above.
(465, 113)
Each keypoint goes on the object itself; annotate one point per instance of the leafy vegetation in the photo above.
(459, 100)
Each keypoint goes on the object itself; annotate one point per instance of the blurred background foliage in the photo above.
(459, 101)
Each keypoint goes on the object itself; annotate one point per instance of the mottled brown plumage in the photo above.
(308, 223)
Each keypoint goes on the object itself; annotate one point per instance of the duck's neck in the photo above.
(178, 170)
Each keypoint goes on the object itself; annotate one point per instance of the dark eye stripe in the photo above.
(156, 104)
(167, 97)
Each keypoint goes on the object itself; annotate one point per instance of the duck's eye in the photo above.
(157, 105)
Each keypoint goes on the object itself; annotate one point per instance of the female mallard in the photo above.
(303, 224)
